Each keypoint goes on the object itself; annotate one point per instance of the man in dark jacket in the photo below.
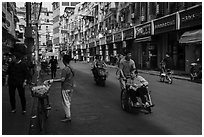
(53, 63)
(17, 78)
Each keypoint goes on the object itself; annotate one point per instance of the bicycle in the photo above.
(41, 92)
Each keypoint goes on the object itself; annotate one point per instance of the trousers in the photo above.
(21, 92)
(66, 101)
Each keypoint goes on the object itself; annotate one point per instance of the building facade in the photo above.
(45, 30)
(59, 23)
(9, 21)
(147, 29)
(20, 26)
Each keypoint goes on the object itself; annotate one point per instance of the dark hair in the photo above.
(167, 53)
(127, 52)
(66, 59)
(136, 72)
(18, 55)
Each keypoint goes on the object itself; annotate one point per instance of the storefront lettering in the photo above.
(129, 34)
(118, 37)
(191, 17)
(109, 39)
(102, 41)
(142, 31)
(165, 24)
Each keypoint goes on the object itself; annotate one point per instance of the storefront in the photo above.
(166, 40)
(128, 38)
(109, 48)
(8, 41)
(146, 50)
(97, 47)
(190, 34)
(102, 43)
(118, 42)
(92, 50)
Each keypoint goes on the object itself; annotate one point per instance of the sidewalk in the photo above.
(17, 123)
(152, 72)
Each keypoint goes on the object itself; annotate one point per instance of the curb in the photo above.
(154, 73)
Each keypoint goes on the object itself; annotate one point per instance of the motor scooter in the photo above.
(165, 74)
(100, 75)
(195, 71)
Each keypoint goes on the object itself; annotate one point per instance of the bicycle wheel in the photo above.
(41, 114)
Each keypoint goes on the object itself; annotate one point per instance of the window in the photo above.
(47, 13)
(48, 20)
(39, 28)
(46, 27)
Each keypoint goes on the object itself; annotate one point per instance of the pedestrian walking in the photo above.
(67, 85)
(17, 78)
(53, 63)
(75, 58)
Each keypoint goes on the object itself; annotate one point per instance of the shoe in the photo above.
(147, 104)
(67, 119)
(136, 104)
(13, 111)
(48, 107)
(23, 112)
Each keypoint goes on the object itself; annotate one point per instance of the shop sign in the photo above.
(191, 17)
(97, 42)
(92, 44)
(109, 39)
(143, 30)
(102, 41)
(128, 34)
(165, 24)
(118, 37)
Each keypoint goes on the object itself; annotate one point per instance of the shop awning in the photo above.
(191, 37)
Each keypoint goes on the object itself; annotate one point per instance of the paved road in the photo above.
(96, 110)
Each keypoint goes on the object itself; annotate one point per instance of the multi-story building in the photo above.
(9, 20)
(59, 8)
(45, 29)
(148, 29)
(20, 26)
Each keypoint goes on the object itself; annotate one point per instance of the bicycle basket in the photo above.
(40, 91)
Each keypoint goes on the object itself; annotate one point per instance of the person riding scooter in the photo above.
(97, 63)
(138, 86)
(167, 66)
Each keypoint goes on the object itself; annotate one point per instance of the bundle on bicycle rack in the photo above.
(40, 91)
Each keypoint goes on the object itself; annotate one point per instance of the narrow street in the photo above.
(158, 37)
(96, 110)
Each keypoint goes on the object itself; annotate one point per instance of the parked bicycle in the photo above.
(42, 93)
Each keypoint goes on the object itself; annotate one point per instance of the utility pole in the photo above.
(29, 41)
